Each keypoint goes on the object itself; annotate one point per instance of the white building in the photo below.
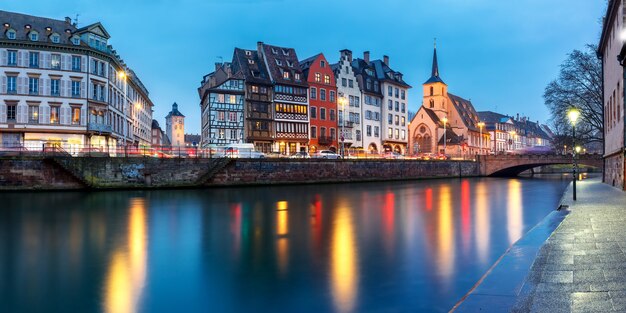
(65, 86)
(175, 127)
(371, 104)
(348, 88)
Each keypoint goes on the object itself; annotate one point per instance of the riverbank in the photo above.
(580, 266)
(63, 173)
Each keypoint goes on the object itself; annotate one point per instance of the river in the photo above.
(367, 247)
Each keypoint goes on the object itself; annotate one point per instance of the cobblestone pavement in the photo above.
(582, 266)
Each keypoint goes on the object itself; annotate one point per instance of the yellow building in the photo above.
(442, 112)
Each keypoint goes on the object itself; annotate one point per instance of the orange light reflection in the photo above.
(344, 267)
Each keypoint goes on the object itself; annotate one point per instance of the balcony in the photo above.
(325, 140)
(99, 128)
(346, 124)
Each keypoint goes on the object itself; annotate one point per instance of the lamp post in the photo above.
(480, 126)
(342, 102)
(573, 115)
(445, 121)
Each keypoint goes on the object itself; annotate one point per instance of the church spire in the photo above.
(434, 76)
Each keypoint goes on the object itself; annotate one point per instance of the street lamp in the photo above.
(480, 126)
(342, 102)
(573, 115)
(445, 121)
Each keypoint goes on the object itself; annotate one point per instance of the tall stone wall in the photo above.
(123, 173)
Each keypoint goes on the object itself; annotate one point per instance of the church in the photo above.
(446, 123)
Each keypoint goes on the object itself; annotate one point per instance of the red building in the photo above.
(322, 103)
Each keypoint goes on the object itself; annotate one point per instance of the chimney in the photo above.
(347, 53)
(68, 20)
(218, 65)
(386, 60)
(517, 117)
(366, 57)
(259, 46)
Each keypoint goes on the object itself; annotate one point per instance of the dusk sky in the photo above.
(500, 54)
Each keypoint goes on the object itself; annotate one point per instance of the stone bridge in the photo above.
(512, 165)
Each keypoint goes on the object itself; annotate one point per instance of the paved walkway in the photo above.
(582, 266)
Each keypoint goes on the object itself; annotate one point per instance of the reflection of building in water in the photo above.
(466, 219)
(282, 229)
(344, 267)
(126, 274)
(445, 251)
(515, 218)
(482, 226)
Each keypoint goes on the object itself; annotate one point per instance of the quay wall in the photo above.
(37, 173)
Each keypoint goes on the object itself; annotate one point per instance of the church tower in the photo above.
(175, 127)
(436, 91)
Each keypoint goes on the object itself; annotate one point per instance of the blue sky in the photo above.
(498, 53)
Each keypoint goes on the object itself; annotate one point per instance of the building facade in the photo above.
(290, 98)
(612, 52)
(64, 86)
(371, 93)
(348, 89)
(222, 96)
(446, 123)
(324, 130)
(175, 127)
(157, 134)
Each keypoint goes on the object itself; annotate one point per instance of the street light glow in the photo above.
(573, 115)
(121, 74)
(444, 120)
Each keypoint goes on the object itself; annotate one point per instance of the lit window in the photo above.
(326, 79)
(297, 76)
(318, 77)
(286, 75)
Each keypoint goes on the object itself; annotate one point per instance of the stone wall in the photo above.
(614, 171)
(124, 173)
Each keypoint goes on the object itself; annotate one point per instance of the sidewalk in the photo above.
(582, 266)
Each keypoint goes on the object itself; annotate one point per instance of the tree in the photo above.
(579, 85)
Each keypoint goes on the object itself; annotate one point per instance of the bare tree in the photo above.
(579, 85)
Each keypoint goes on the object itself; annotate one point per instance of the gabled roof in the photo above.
(433, 116)
(451, 138)
(306, 63)
(251, 66)
(360, 68)
(95, 28)
(385, 73)
(155, 124)
(466, 111)
(18, 22)
(280, 60)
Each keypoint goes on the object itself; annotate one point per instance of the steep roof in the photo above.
(155, 124)
(491, 117)
(432, 116)
(250, 65)
(466, 111)
(385, 73)
(281, 60)
(18, 22)
(365, 71)
(434, 76)
(451, 138)
(174, 111)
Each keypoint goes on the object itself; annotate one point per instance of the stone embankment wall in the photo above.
(125, 173)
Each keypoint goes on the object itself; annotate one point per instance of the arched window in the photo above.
(432, 103)
(11, 34)
(442, 90)
(432, 90)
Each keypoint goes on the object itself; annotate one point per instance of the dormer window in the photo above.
(250, 61)
(76, 40)
(279, 62)
(33, 36)
(285, 52)
(297, 76)
(255, 73)
(11, 34)
(55, 38)
(274, 51)
(248, 52)
(290, 64)
(286, 75)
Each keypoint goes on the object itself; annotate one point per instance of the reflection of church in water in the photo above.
(426, 130)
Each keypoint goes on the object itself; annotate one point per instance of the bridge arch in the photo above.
(513, 165)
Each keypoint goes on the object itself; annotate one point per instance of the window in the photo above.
(322, 113)
(376, 131)
(75, 88)
(389, 105)
(403, 107)
(402, 95)
(432, 91)
(318, 77)
(389, 91)
(389, 118)
(432, 103)
(313, 132)
(357, 101)
(255, 89)
(297, 76)
(76, 63)
(313, 93)
(11, 112)
(33, 59)
(11, 84)
(233, 134)
(323, 94)
(350, 83)
(403, 122)
(358, 135)
(322, 63)
(390, 132)
(75, 116)
(397, 93)
(397, 106)
(55, 87)
(397, 120)
(286, 75)
(368, 130)
(12, 58)
(76, 40)
(397, 134)
(33, 35)
(250, 61)
(344, 82)
(55, 38)
(220, 133)
(326, 79)
(332, 96)
(313, 112)
(322, 131)
(221, 115)
(279, 62)
(232, 116)
(54, 115)
(11, 34)
(376, 116)
(232, 99)
(33, 114)
(55, 62)
(376, 86)
(332, 114)
(33, 85)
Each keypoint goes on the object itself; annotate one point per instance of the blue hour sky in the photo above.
(500, 54)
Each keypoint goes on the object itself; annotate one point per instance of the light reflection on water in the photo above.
(402, 247)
